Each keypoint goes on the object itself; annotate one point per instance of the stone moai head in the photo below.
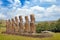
(16, 19)
(9, 20)
(32, 18)
(13, 20)
(20, 17)
(26, 19)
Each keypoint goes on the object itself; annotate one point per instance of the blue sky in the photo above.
(44, 10)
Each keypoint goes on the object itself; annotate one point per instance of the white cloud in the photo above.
(25, 11)
(11, 1)
(38, 11)
(26, 4)
(37, 8)
(41, 13)
(52, 11)
(17, 1)
(48, 1)
(15, 4)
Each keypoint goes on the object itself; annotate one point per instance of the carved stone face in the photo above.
(9, 21)
(20, 17)
(32, 18)
(13, 20)
(16, 19)
(26, 18)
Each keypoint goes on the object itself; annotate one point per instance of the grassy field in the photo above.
(56, 36)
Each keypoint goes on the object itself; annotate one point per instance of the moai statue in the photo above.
(10, 26)
(27, 25)
(21, 27)
(13, 26)
(7, 26)
(32, 24)
(17, 25)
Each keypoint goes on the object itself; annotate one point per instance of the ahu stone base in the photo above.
(35, 35)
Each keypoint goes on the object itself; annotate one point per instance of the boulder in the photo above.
(46, 33)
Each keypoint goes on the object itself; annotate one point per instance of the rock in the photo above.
(46, 33)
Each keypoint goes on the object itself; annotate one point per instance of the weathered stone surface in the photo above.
(21, 26)
(32, 24)
(32, 28)
(20, 18)
(12, 28)
(32, 18)
(17, 25)
(7, 26)
(47, 33)
(16, 19)
(26, 19)
(27, 25)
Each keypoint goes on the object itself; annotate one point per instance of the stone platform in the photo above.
(35, 35)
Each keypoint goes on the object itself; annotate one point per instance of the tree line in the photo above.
(53, 26)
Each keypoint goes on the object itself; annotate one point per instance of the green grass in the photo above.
(56, 36)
